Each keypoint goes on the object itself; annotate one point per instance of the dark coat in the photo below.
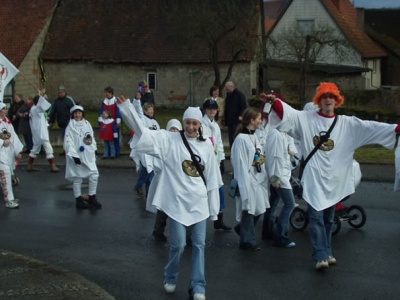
(235, 104)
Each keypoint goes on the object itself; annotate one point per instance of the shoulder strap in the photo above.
(194, 160)
(322, 140)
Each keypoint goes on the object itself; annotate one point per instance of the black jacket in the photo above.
(235, 104)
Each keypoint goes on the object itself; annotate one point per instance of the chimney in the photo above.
(360, 17)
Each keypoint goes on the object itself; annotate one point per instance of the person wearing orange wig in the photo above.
(328, 175)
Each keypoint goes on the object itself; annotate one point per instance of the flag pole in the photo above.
(30, 82)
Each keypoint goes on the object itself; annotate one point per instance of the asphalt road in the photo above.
(114, 248)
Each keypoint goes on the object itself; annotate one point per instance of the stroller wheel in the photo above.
(15, 180)
(357, 216)
(299, 219)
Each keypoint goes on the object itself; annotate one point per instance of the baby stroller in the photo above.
(354, 215)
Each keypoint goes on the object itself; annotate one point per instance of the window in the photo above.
(152, 80)
(306, 26)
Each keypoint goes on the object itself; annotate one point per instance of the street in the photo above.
(114, 248)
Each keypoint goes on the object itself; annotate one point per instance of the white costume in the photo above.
(277, 157)
(152, 124)
(180, 192)
(329, 176)
(79, 142)
(7, 157)
(253, 185)
(40, 132)
(211, 130)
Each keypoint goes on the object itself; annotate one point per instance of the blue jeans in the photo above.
(144, 178)
(177, 246)
(221, 198)
(248, 229)
(321, 223)
(278, 227)
(109, 149)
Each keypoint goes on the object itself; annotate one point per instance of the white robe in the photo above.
(180, 191)
(277, 157)
(211, 129)
(8, 154)
(38, 122)
(76, 139)
(329, 175)
(253, 186)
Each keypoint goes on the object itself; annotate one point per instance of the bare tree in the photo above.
(225, 29)
(323, 44)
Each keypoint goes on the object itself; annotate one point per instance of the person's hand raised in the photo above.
(121, 99)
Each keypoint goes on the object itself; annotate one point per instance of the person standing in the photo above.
(80, 148)
(235, 104)
(212, 131)
(24, 126)
(110, 103)
(59, 111)
(108, 132)
(249, 170)
(40, 133)
(147, 96)
(214, 94)
(328, 176)
(10, 150)
(187, 194)
(278, 164)
(13, 111)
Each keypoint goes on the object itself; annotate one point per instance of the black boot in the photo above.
(93, 202)
(219, 224)
(80, 203)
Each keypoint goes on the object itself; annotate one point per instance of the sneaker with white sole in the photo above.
(321, 265)
(169, 287)
(199, 296)
(331, 260)
(12, 203)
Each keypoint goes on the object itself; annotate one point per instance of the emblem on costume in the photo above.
(326, 145)
(189, 168)
(87, 139)
(258, 160)
(4, 134)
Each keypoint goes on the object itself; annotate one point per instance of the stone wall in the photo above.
(85, 82)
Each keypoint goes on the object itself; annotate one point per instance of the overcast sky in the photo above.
(377, 3)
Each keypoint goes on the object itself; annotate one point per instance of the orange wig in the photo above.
(328, 88)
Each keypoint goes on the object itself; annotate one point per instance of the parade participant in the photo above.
(187, 194)
(10, 150)
(328, 176)
(279, 169)
(40, 133)
(80, 148)
(249, 170)
(212, 131)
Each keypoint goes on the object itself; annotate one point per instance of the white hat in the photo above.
(2, 105)
(174, 123)
(76, 107)
(193, 113)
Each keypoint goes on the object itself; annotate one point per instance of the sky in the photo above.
(377, 3)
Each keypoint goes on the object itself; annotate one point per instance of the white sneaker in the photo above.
(169, 287)
(199, 296)
(12, 203)
(322, 264)
(331, 260)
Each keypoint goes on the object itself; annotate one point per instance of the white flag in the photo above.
(7, 73)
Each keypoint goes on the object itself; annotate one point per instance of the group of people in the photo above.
(262, 146)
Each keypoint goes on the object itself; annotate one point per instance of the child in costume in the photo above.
(10, 150)
(80, 154)
(108, 132)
